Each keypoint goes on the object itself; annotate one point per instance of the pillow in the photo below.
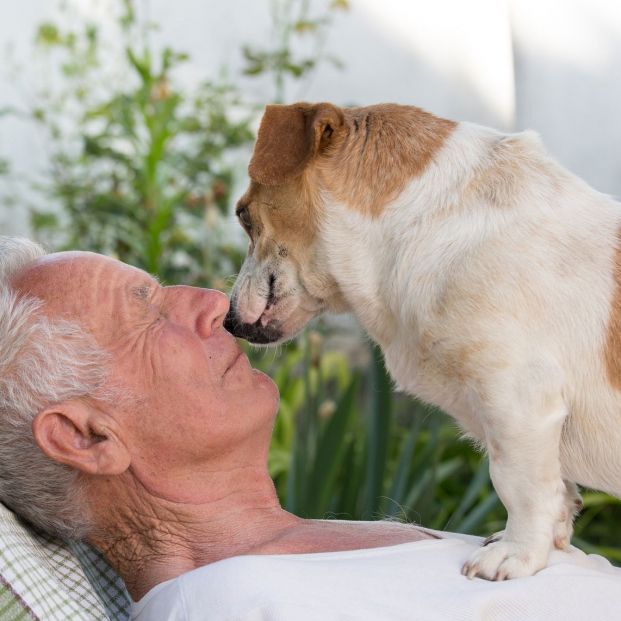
(43, 578)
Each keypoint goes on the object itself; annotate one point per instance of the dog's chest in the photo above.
(433, 370)
(395, 281)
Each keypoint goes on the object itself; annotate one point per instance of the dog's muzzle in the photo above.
(252, 332)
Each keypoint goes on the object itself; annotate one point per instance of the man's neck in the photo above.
(149, 539)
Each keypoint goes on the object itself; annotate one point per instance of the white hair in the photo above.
(43, 362)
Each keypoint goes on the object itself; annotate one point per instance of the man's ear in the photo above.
(80, 435)
(289, 137)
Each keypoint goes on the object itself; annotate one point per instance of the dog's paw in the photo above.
(503, 560)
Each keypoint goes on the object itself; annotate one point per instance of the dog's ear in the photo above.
(289, 137)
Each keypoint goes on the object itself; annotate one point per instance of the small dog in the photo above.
(489, 275)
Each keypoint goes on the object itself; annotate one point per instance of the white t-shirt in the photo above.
(417, 581)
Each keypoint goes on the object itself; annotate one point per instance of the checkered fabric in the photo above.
(44, 579)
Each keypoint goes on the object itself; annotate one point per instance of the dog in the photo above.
(488, 274)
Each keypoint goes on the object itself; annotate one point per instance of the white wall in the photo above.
(567, 66)
(550, 65)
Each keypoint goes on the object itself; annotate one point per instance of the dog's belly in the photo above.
(590, 449)
(426, 382)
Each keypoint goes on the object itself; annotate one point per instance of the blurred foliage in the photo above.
(143, 171)
(293, 22)
(4, 163)
(7, 198)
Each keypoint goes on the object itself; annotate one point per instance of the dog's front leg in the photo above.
(523, 439)
(564, 526)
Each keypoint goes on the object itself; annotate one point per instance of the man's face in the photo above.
(193, 395)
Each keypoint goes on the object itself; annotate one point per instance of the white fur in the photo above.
(488, 285)
(526, 288)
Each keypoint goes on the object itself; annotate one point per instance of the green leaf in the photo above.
(128, 17)
(48, 35)
(479, 513)
(331, 447)
(41, 220)
(305, 25)
(141, 65)
(595, 499)
(8, 110)
(479, 482)
(379, 420)
(398, 488)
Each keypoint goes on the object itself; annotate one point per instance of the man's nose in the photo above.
(213, 307)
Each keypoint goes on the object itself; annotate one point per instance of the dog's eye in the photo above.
(244, 218)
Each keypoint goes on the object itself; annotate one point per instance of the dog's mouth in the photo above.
(255, 333)
(282, 316)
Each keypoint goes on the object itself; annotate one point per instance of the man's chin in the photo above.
(265, 381)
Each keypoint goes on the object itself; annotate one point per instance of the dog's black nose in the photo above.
(252, 332)
(230, 321)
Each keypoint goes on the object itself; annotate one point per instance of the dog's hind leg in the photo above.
(564, 526)
(523, 417)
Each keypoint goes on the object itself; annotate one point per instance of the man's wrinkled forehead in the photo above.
(77, 285)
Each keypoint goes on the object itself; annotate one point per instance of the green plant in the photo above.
(144, 171)
(6, 200)
(293, 23)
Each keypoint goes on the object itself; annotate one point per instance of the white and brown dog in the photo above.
(489, 275)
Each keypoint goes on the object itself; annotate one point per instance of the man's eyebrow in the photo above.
(143, 292)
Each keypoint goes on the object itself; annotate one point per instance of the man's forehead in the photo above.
(79, 259)
(60, 264)
(65, 279)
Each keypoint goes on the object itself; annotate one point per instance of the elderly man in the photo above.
(131, 418)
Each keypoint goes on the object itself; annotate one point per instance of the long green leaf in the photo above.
(399, 483)
(480, 512)
(480, 480)
(379, 420)
(331, 450)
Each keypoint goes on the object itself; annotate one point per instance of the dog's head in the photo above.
(308, 159)
(283, 283)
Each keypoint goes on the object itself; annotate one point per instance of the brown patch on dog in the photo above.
(382, 149)
(287, 217)
(289, 137)
(612, 350)
(283, 217)
(363, 156)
